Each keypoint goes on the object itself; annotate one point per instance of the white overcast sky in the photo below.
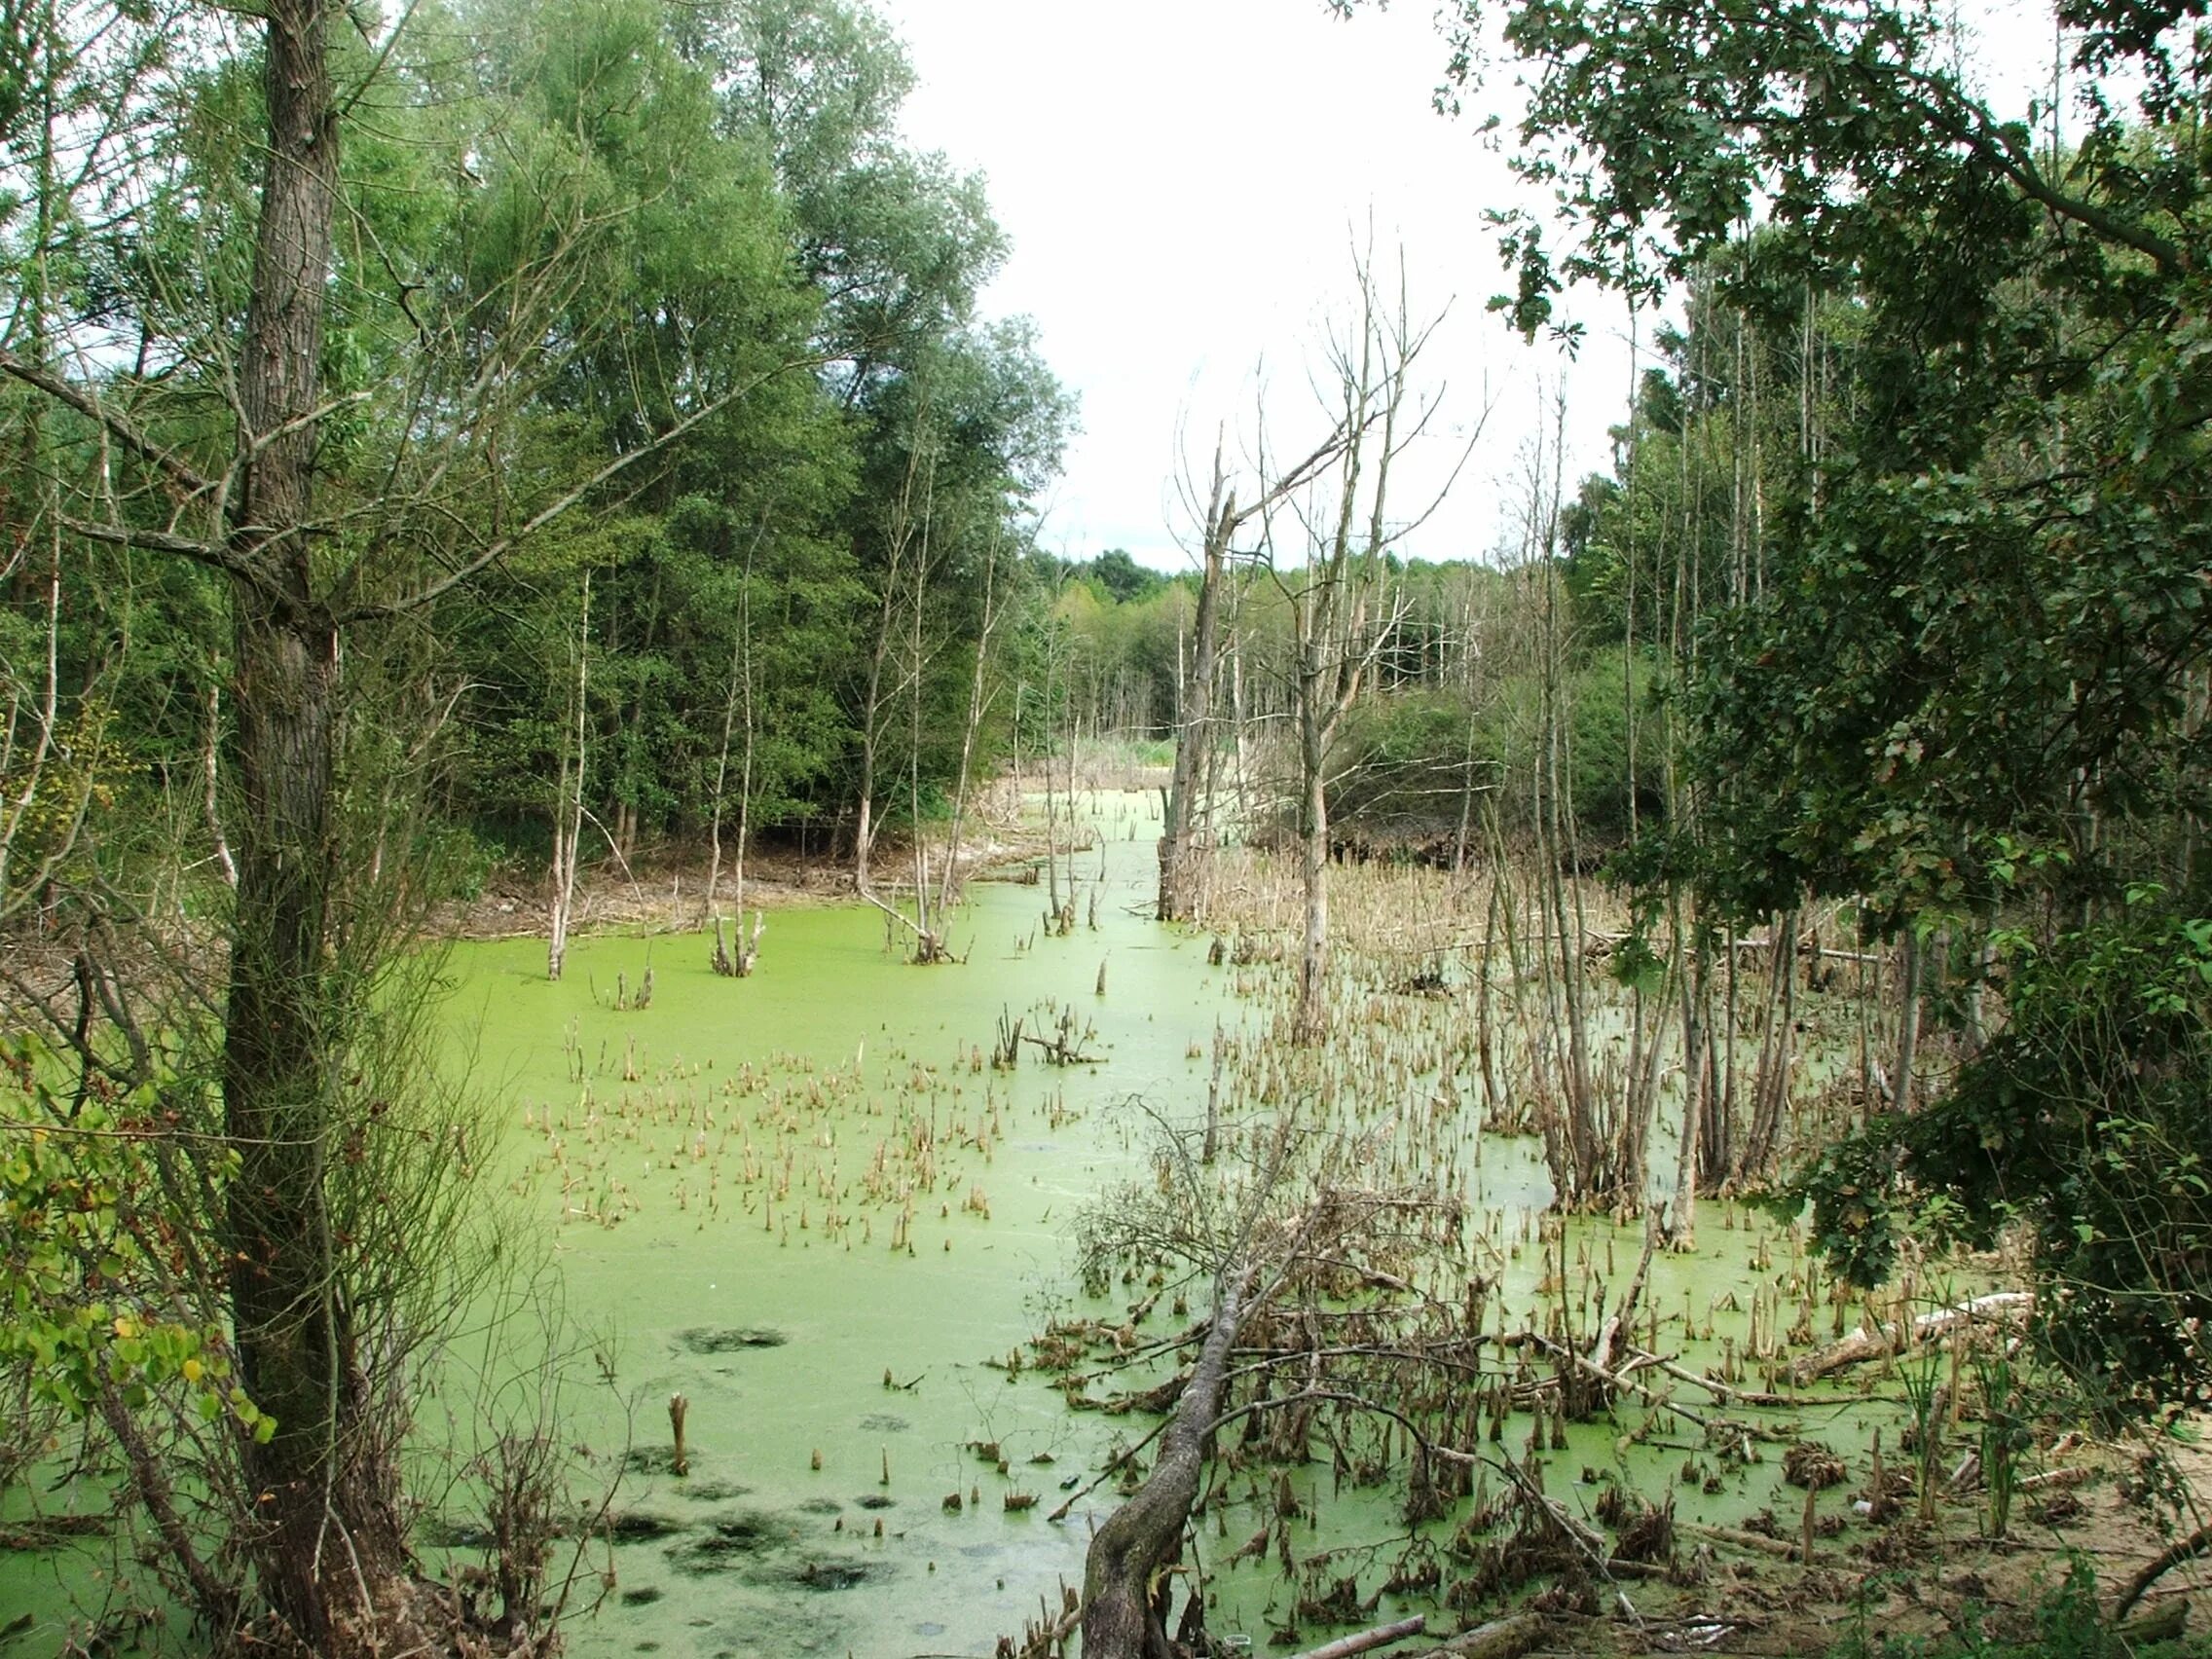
(1183, 181)
(1183, 184)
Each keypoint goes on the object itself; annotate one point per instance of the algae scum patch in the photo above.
(701, 1340)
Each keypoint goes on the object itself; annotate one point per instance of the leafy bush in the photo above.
(1404, 759)
(2083, 1122)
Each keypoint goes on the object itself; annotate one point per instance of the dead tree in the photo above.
(1342, 619)
(1223, 519)
(1124, 1615)
(569, 801)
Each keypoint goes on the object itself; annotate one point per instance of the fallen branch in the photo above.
(1757, 1542)
(2196, 1544)
(1499, 1639)
(1887, 1339)
(1382, 1636)
(1120, 1619)
(1614, 1379)
(1725, 1392)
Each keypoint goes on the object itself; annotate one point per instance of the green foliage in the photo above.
(1119, 578)
(1940, 422)
(1404, 761)
(2065, 1622)
(90, 1258)
(2082, 1120)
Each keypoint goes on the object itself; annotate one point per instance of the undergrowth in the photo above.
(2065, 1622)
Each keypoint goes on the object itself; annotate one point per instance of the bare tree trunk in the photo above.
(722, 780)
(863, 833)
(1908, 1021)
(928, 947)
(1486, 1045)
(737, 966)
(211, 796)
(1681, 1222)
(1770, 1083)
(967, 732)
(1344, 624)
(568, 807)
(1194, 726)
(1224, 518)
(1314, 870)
(1123, 1618)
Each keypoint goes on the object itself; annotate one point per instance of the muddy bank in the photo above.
(663, 889)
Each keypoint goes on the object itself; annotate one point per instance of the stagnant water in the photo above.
(737, 1216)
(807, 1203)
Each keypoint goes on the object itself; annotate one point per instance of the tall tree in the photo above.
(2014, 523)
(342, 455)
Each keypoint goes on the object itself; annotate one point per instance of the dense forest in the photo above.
(523, 443)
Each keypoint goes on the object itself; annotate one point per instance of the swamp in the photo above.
(645, 1011)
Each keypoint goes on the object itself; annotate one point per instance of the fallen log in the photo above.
(2198, 1542)
(1758, 1542)
(1382, 1636)
(1498, 1638)
(1898, 1335)
(1121, 1618)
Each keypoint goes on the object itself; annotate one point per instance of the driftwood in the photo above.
(1382, 1636)
(1758, 1542)
(1898, 1335)
(1499, 1639)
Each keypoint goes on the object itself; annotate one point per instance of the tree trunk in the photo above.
(1193, 723)
(1313, 869)
(1908, 1021)
(328, 1522)
(568, 807)
(949, 888)
(864, 835)
(1692, 971)
(1120, 1618)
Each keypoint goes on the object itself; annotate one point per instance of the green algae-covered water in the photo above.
(809, 1204)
